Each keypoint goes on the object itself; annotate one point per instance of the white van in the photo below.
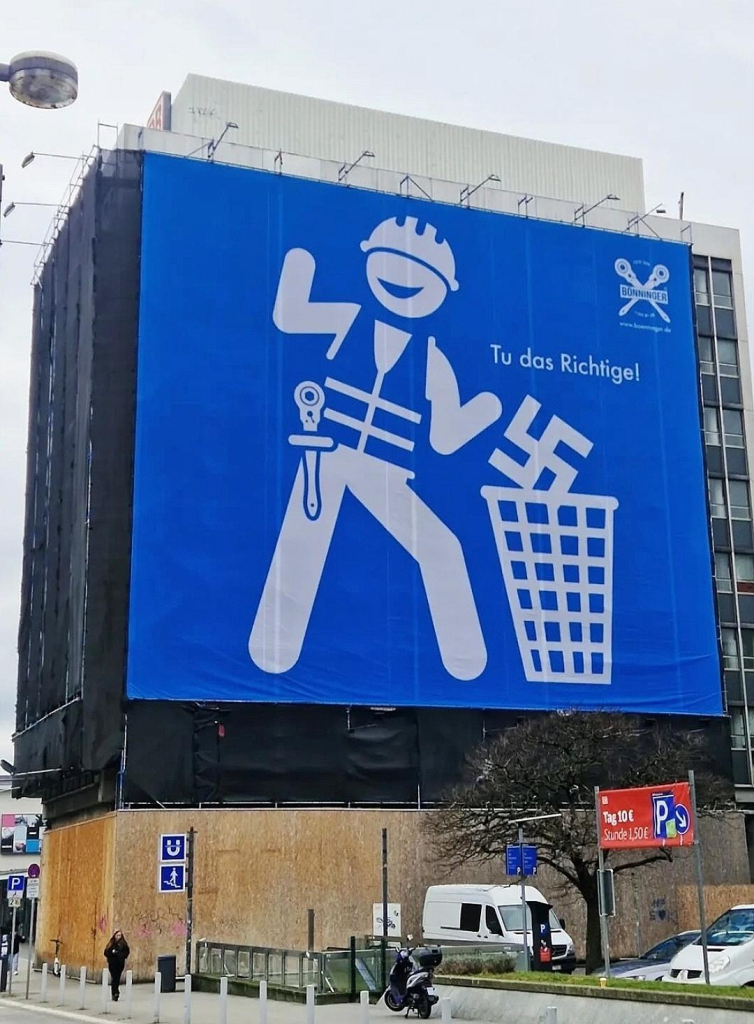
(730, 945)
(476, 914)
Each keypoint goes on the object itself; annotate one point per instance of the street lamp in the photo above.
(44, 80)
(638, 218)
(467, 191)
(11, 770)
(16, 241)
(583, 210)
(520, 822)
(214, 144)
(346, 169)
(12, 206)
(31, 157)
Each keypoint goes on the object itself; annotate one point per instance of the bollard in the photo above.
(262, 1002)
(447, 1016)
(187, 999)
(82, 988)
(43, 985)
(156, 1005)
(129, 993)
(223, 1000)
(310, 990)
(551, 1015)
(104, 1008)
(61, 986)
(364, 1000)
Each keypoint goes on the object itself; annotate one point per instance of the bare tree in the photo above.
(550, 764)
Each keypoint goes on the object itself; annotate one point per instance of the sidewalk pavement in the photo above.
(205, 1006)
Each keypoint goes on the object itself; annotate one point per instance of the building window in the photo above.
(727, 358)
(701, 287)
(722, 573)
(733, 425)
(711, 426)
(747, 646)
(737, 729)
(745, 568)
(740, 505)
(721, 289)
(706, 355)
(729, 643)
(716, 498)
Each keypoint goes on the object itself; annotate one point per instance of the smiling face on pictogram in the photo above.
(409, 270)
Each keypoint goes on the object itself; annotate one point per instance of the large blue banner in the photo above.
(391, 452)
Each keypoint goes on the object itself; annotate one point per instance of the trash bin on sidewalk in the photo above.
(166, 968)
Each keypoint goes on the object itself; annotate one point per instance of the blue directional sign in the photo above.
(513, 860)
(172, 878)
(16, 885)
(682, 819)
(173, 847)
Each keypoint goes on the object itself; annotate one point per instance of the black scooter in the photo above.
(411, 981)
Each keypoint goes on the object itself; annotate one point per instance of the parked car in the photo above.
(652, 965)
(730, 945)
(479, 914)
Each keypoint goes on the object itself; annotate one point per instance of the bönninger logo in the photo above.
(634, 291)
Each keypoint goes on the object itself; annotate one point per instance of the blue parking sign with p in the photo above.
(16, 885)
(669, 819)
(173, 847)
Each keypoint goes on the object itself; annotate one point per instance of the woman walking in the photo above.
(17, 940)
(116, 954)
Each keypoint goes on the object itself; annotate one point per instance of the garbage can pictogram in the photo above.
(556, 554)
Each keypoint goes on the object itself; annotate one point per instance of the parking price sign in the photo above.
(635, 819)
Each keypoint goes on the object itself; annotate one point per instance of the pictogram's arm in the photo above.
(453, 424)
(296, 313)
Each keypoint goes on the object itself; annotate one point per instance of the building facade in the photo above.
(129, 756)
(724, 361)
(553, 182)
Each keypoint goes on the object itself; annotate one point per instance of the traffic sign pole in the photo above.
(189, 896)
(524, 928)
(604, 929)
(11, 954)
(699, 876)
(28, 951)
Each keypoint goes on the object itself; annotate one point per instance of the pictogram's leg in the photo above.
(285, 607)
(384, 491)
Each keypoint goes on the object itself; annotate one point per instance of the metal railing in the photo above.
(331, 972)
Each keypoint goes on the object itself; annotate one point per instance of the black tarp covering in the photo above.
(302, 754)
(72, 633)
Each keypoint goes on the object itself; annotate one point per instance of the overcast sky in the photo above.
(669, 82)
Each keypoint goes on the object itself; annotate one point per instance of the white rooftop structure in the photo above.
(339, 132)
